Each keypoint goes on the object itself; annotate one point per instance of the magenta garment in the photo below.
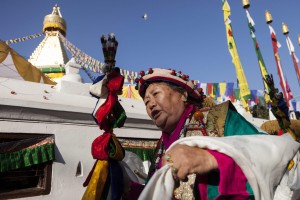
(233, 182)
(168, 139)
(135, 191)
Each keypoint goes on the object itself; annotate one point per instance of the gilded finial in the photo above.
(299, 39)
(55, 22)
(268, 17)
(246, 4)
(285, 29)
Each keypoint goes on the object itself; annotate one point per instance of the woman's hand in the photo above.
(187, 160)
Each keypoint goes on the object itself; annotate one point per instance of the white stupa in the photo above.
(50, 55)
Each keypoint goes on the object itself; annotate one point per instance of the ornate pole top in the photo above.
(246, 4)
(268, 17)
(55, 22)
(285, 29)
(299, 39)
(109, 48)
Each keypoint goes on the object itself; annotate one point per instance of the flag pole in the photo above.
(285, 31)
(243, 84)
(261, 63)
(276, 45)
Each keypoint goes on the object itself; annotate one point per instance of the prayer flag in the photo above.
(229, 89)
(222, 87)
(254, 96)
(204, 88)
(294, 57)
(261, 62)
(210, 89)
(276, 45)
(216, 90)
(243, 85)
(237, 94)
(288, 90)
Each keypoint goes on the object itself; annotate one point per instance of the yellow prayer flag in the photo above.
(243, 85)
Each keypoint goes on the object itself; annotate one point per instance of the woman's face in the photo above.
(164, 105)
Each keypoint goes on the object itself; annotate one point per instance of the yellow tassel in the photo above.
(95, 187)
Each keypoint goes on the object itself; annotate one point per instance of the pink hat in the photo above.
(170, 76)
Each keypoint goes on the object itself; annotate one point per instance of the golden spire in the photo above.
(285, 29)
(246, 4)
(268, 17)
(299, 39)
(55, 22)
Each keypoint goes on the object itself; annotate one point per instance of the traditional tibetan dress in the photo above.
(220, 121)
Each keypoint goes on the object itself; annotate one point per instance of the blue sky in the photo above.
(184, 35)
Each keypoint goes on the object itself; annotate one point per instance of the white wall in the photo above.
(73, 144)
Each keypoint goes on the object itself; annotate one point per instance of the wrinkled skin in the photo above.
(165, 106)
(188, 160)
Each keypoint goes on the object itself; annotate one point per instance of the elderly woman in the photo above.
(234, 167)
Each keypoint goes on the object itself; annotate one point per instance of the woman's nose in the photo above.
(151, 104)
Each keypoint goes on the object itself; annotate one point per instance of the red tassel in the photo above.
(114, 85)
(100, 147)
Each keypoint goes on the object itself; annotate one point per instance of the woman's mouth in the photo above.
(155, 114)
